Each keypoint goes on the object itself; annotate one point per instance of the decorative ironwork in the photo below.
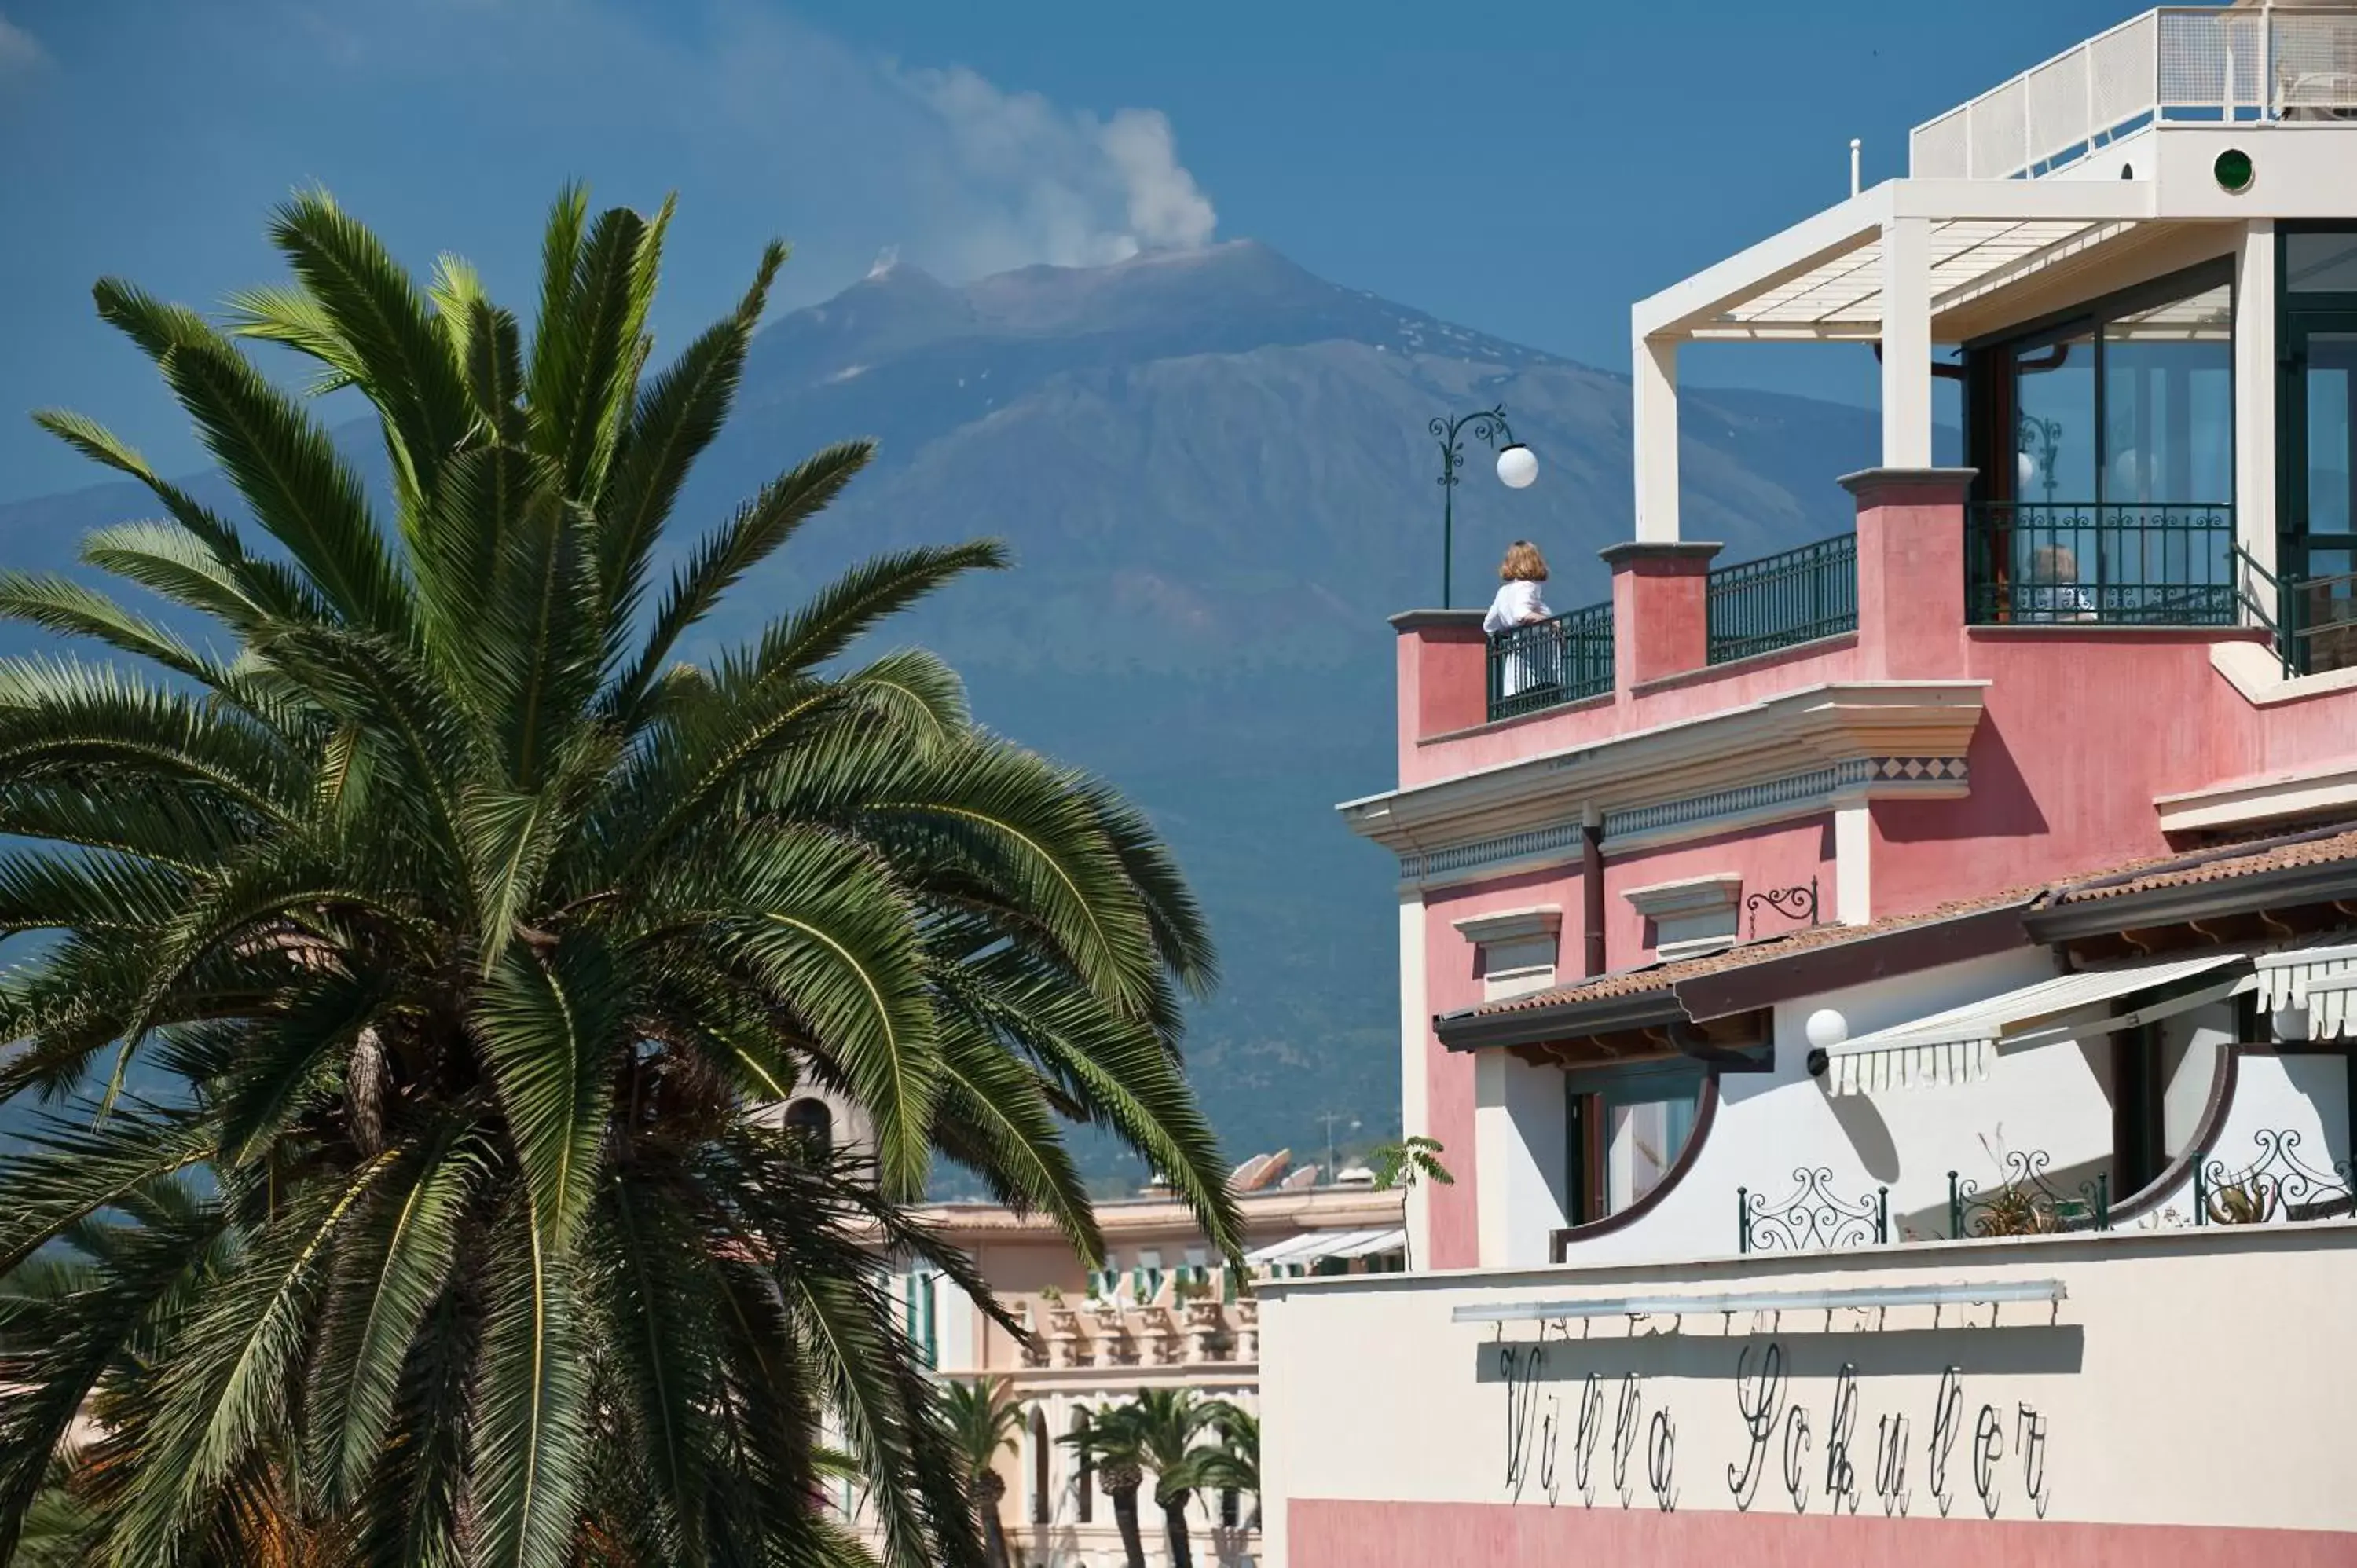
(1988, 1450)
(1550, 662)
(1662, 1460)
(1796, 1456)
(1890, 1466)
(2277, 1184)
(1810, 1219)
(1779, 601)
(2026, 1204)
(1486, 425)
(1841, 1475)
(1790, 902)
(1947, 1409)
(2029, 1438)
(1625, 1424)
(1760, 1401)
(1520, 1367)
(2110, 563)
(1592, 1426)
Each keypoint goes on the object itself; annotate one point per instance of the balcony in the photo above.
(2108, 563)
(2177, 64)
(1783, 600)
(1550, 662)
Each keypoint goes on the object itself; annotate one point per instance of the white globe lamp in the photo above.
(1826, 1028)
(1517, 467)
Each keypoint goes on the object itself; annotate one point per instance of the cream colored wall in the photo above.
(2189, 1378)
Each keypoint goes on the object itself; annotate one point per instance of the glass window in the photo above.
(2320, 264)
(2054, 428)
(2169, 402)
(1627, 1129)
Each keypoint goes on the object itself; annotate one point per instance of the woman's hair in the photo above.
(1522, 564)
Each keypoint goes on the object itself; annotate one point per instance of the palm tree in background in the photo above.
(471, 927)
(1233, 1464)
(983, 1421)
(1114, 1444)
(1168, 1422)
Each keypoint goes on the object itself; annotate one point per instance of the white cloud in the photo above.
(849, 151)
(19, 50)
(1051, 185)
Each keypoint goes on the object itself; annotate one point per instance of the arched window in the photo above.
(1085, 1478)
(1043, 1499)
(1231, 1507)
(810, 1119)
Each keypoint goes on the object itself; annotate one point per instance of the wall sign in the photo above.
(1816, 1455)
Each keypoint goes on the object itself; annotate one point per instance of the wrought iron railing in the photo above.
(2277, 1184)
(2313, 620)
(1793, 596)
(2109, 562)
(1549, 662)
(1811, 1218)
(2025, 1203)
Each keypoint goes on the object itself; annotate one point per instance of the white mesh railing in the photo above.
(2169, 64)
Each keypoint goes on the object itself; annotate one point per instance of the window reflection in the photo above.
(2169, 402)
(1628, 1127)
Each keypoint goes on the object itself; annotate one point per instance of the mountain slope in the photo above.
(1214, 470)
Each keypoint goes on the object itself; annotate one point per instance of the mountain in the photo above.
(1214, 470)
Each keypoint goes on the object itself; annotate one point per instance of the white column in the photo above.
(2254, 392)
(1907, 343)
(1853, 863)
(1519, 1130)
(1416, 1049)
(1654, 367)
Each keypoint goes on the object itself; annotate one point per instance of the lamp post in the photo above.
(2041, 443)
(1517, 467)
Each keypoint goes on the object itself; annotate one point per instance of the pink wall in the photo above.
(1323, 1534)
(1784, 855)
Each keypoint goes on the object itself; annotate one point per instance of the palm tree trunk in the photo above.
(994, 1539)
(1125, 1514)
(1174, 1526)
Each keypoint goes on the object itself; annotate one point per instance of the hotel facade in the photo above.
(1888, 1004)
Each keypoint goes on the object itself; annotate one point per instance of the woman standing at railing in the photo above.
(1518, 604)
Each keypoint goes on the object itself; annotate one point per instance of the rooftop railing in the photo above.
(1550, 662)
(1783, 600)
(2107, 564)
(2313, 619)
(2177, 63)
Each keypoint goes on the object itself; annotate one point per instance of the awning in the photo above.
(2320, 979)
(1318, 1244)
(1959, 1045)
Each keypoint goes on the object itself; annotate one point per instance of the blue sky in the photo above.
(1524, 168)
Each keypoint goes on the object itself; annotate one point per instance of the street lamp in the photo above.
(1517, 467)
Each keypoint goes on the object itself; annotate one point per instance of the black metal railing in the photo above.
(1811, 1218)
(2277, 1184)
(2025, 1203)
(2313, 620)
(2108, 563)
(1550, 662)
(1793, 596)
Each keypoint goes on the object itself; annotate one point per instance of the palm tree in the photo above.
(1168, 1422)
(1233, 1464)
(1113, 1445)
(983, 1421)
(473, 928)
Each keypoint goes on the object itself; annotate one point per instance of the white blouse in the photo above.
(1517, 602)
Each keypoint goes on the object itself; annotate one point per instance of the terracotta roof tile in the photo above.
(2185, 871)
(2217, 862)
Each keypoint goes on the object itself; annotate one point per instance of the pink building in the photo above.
(1915, 962)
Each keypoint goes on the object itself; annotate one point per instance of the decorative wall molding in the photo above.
(1819, 789)
(1780, 757)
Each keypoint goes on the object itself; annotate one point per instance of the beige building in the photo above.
(1165, 1312)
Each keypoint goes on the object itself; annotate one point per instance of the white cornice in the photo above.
(1687, 897)
(1778, 738)
(1512, 924)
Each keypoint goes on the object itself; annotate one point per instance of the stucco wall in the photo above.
(2179, 1403)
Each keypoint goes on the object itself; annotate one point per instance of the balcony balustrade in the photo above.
(2109, 563)
(1783, 600)
(1550, 662)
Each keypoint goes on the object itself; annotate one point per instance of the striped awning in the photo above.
(2321, 980)
(1960, 1045)
(1317, 1244)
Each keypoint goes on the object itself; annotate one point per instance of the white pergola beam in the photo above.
(1695, 306)
(1655, 432)
(1907, 343)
